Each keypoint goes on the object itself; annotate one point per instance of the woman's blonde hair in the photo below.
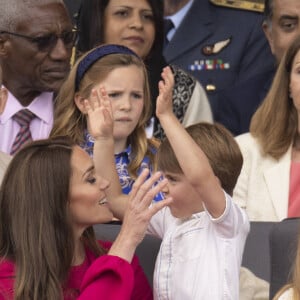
(275, 122)
(68, 119)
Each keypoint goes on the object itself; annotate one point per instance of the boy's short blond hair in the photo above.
(219, 146)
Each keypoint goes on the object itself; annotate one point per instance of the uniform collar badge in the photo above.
(216, 48)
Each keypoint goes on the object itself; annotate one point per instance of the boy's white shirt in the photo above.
(199, 257)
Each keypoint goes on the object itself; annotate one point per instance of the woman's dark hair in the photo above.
(90, 24)
(35, 227)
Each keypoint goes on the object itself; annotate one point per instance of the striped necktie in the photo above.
(23, 118)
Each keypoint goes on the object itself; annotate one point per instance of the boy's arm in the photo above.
(191, 158)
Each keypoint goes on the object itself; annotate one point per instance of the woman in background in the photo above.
(268, 186)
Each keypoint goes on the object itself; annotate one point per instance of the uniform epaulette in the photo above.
(253, 5)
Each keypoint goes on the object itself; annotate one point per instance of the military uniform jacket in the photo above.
(219, 46)
(238, 103)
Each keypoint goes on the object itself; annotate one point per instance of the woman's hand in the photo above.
(138, 213)
(99, 114)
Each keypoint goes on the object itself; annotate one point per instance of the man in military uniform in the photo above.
(239, 103)
(218, 43)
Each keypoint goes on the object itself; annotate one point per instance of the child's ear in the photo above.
(269, 35)
(79, 101)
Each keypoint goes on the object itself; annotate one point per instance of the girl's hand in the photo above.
(99, 114)
(164, 102)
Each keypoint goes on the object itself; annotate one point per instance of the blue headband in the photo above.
(95, 55)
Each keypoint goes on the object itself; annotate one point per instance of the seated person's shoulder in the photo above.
(180, 75)
(182, 78)
(245, 139)
(251, 8)
(248, 144)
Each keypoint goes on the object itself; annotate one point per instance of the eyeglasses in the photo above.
(47, 42)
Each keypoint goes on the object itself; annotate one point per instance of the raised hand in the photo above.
(164, 101)
(99, 114)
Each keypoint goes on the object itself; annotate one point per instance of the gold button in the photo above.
(210, 87)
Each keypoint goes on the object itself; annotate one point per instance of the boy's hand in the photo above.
(99, 114)
(164, 102)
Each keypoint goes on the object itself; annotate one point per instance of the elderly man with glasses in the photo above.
(36, 40)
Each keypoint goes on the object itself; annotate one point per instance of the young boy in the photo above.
(203, 232)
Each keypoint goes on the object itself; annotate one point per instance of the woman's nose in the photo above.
(136, 21)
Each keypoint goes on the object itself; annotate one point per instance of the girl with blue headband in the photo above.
(123, 75)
